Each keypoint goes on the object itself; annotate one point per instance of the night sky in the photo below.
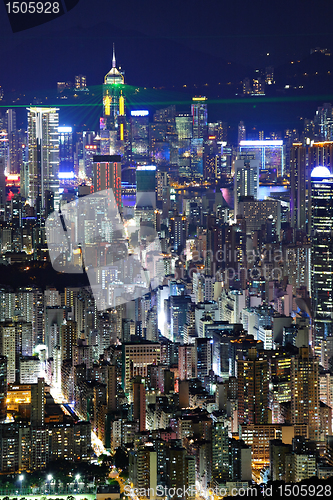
(160, 43)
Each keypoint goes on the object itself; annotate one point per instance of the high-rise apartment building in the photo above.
(139, 404)
(43, 144)
(305, 406)
(3, 387)
(253, 378)
(37, 416)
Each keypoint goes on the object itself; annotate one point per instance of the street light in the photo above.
(21, 477)
(49, 478)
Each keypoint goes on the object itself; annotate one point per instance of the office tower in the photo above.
(113, 101)
(199, 116)
(322, 254)
(246, 180)
(139, 136)
(107, 174)
(203, 358)
(2, 183)
(146, 187)
(270, 154)
(305, 391)
(179, 305)
(139, 404)
(241, 132)
(298, 178)
(13, 166)
(66, 158)
(37, 415)
(43, 145)
(184, 126)
(321, 154)
(253, 378)
(3, 388)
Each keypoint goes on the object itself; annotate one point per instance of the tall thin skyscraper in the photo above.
(322, 254)
(13, 142)
(114, 118)
(298, 186)
(43, 144)
(246, 180)
(37, 416)
(199, 114)
(241, 132)
(3, 387)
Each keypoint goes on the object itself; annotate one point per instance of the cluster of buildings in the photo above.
(217, 373)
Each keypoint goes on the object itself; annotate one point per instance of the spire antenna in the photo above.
(114, 58)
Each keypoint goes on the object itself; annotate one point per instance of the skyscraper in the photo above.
(139, 404)
(246, 180)
(140, 135)
(305, 405)
(3, 387)
(298, 186)
(253, 378)
(146, 187)
(107, 174)
(66, 159)
(43, 144)
(322, 253)
(37, 416)
(113, 101)
(199, 114)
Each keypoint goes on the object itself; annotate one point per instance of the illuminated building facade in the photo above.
(146, 187)
(322, 253)
(270, 154)
(140, 136)
(199, 116)
(246, 180)
(298, 177)
(305, 391)
(114, 103)
(66, 159)
(107, 174)
(43, 144)
(253, 377)
(3, 387)
(136, 358)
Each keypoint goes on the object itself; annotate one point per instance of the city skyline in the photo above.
(166, 290)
